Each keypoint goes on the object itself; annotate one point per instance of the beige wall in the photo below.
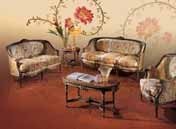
(14, 14)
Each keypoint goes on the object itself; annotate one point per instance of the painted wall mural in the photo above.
(145, 25)
(85, 17)
(152, 21)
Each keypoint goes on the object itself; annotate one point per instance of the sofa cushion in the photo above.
(125, 47)
(103, 45)
(128, 61)
(110, 58)
(26, 49)
(92, 56)
(39, 62)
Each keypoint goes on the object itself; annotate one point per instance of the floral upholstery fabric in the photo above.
(166, 75)
(92, 56)
(125, 47)
(150, 88)
(172, 67)
(128, 61)
(116, 52)
(30, 57)
(26, 49)
(169, 92)
(39, 62)
(103, 45)
(110, 58)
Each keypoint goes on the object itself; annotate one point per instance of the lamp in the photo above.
(75, 31)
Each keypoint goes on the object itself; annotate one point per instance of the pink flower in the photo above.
(68, 23)
(147, 28)
(84, 15)
(167, 36)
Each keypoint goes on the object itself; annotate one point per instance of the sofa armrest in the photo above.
(141, 60)
(14, 66)
(90, 46)
(50, 50)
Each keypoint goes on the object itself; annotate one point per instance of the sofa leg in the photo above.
(137, 75)
(82, 65)
(41, 75)
(20, 80)
(156, 108)
(117, 72)
(141, 96)
(60, 68)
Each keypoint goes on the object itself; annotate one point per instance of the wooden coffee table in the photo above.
(103, 88)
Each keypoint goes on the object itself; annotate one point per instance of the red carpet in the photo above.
(40, 105)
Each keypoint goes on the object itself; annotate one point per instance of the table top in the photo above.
(94, 85)
(71, 49)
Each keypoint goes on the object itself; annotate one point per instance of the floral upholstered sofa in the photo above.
(30, 57)
(159, 85)
(116, 52)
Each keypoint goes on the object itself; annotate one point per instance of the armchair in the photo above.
(159, 85)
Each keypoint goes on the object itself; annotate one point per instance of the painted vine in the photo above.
(82, 15)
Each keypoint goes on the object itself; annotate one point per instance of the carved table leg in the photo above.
(66, 94)
(103, 102)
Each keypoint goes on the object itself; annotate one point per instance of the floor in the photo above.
(40, 105)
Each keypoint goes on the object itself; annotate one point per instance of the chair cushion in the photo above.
(92, 56)
(39, 62)
(128, 61)
(110, 58)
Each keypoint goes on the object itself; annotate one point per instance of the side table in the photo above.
(75, 51)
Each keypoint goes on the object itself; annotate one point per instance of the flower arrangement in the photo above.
(81, 16)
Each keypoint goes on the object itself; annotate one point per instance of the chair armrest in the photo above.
(149, 74)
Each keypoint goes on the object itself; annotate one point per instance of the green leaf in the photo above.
(60, 31)
(52, 32)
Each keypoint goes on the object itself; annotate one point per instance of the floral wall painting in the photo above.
(144, 24)
(147, 28)
(67, 15)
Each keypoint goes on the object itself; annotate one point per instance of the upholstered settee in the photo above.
(30, 57)
(159, 85)
(116, 52)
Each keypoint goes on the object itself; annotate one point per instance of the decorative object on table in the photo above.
(98, 78)
(81, 77)
(162, 88)
(103, 88)
(75, 32)
(68, 15)
(31, 57)
(116, 52)
(105, 72)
